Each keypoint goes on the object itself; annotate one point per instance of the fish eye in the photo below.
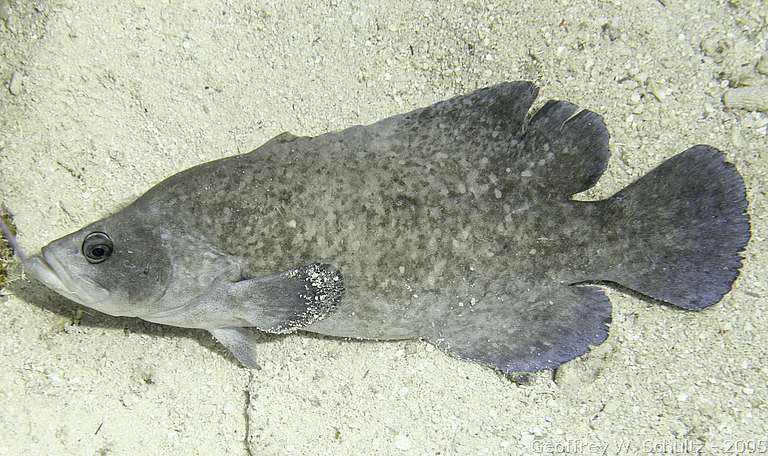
(97, 247)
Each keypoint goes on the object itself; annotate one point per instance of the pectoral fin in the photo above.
(274, 303)
(284, 302)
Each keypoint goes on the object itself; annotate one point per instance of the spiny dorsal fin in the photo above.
(482, 123)
(283, 137)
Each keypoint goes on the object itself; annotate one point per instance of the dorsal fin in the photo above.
(283, 137)
(560, 151)
(563, 151)
(485, 114)
(485, 122)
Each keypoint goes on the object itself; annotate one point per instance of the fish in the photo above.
(455, 224)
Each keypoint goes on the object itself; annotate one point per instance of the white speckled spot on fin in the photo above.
(527, 330)
(284, 302)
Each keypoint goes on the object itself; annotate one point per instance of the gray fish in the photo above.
(454, 223)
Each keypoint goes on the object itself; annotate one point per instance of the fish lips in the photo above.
(48, 269)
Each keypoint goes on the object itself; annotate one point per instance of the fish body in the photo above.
(453, 223)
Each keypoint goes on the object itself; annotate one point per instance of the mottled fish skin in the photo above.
(453, 223)
(422, 219)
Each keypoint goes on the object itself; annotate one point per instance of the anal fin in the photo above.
(527, 330)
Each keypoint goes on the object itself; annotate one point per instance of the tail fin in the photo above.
(681, 228)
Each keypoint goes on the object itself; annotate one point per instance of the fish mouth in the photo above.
(47, 268)
(39, 267)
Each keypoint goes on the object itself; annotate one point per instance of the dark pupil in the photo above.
(97, 247)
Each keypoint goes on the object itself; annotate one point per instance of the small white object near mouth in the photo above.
(38, 267)
(47, 269)
(50, 271)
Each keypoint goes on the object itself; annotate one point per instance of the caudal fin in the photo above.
(680, 230)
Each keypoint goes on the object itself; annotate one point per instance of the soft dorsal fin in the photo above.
(563, 151)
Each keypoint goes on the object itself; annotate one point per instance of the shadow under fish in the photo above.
(452, 223)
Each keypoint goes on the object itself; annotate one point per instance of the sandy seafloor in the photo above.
(109, 97)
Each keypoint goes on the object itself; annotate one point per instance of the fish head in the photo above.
(117, 265)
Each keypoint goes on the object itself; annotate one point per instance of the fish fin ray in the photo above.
(527, 331)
